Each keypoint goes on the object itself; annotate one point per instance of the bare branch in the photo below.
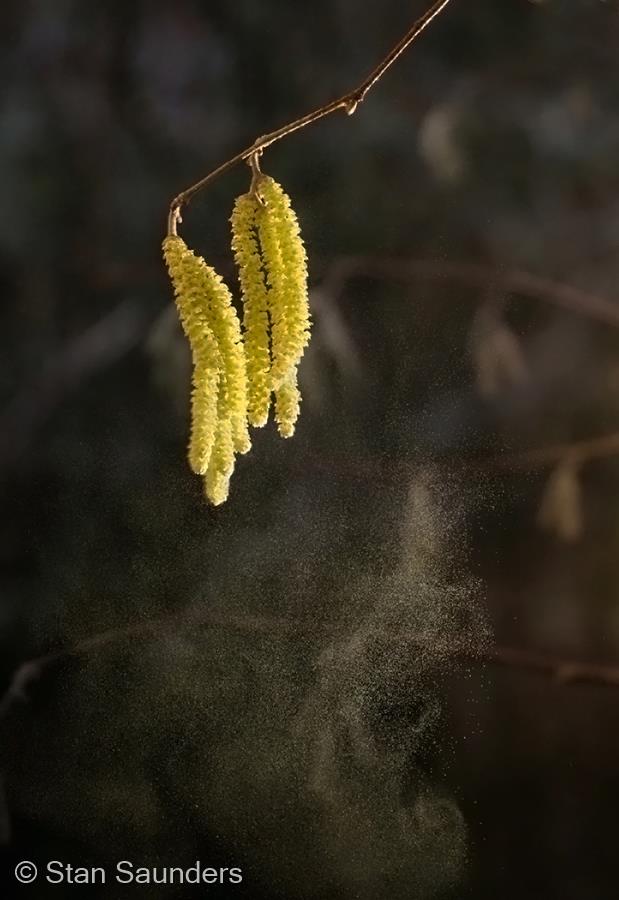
(349, 103)
(577, 452)
(563, 671)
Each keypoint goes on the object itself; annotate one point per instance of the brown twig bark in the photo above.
(577, 452)
(563, 671)
(348, 102)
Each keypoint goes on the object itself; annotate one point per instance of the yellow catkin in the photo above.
(234, 376)
(255, 305)
(221, 465)
(285, 264)
(193, 312)
(233, 383)
(287, 404)
(205, 307)
(191, 298)
(203, 416)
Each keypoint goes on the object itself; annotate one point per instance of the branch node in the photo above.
(174, 216)
(253, 162)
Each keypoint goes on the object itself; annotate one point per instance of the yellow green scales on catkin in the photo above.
(285, 265)
(224, 322)
(191, 301)
(287, 405)
(221, 465)
(255, 307)
(219, 423)
(210, 297)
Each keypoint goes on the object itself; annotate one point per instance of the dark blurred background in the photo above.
(454, 471)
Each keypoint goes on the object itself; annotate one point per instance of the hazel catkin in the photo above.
(285, 265)
(221, 465)
(255, 307)
(191, 303)
(205, 383)
(236, 371)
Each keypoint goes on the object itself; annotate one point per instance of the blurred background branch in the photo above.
(65, 371)
(563, 671)
(484, 277)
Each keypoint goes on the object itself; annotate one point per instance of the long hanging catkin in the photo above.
(255, 307)
(205, 383)
(224, 322)
(236, 373)
(192, 300)
(285, 264)
(191, 303)
(205, 308)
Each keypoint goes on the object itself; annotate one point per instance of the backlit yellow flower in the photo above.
(255, 316)
(221, 466)
(285, 264)
(235, 374)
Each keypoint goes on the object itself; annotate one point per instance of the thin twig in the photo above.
(578, 452)
(563, 671)
(349, 103)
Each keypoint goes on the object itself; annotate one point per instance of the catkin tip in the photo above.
(216, 488)
(287, 405)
